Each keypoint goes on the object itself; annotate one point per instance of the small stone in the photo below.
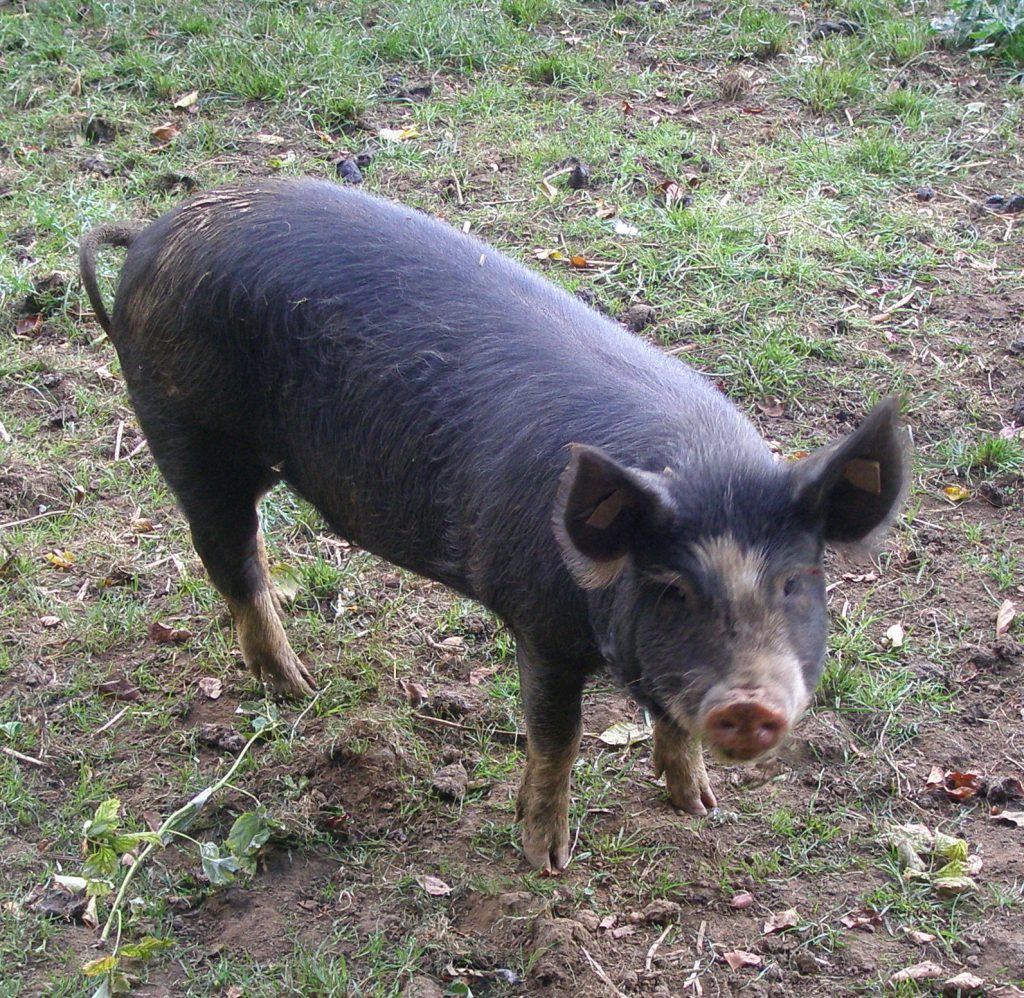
(588, 920)
(422, 987)
(806, 963)
(836, 27)
(451, 705)
(451, 781)
(579, 177)
(661, 912)
(364, 159)
(98, 130)
(348, 171)
(1016, 346)
(638, 317)
(1015, 204)
(924, 193)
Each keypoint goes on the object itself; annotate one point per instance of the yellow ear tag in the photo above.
(864, 475)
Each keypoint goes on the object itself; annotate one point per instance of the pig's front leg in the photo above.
(552, 702)
(678, 755)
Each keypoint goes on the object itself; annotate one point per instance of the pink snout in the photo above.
(744, 724)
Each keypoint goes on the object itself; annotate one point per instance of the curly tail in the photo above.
(115, 234)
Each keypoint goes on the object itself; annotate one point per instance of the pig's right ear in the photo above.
(601, 509)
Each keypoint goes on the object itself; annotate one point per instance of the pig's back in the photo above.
(414, 384)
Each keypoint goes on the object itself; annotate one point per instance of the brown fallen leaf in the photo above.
(211, 687)
(738, 958)
(477, 676)
(28, 324)
(787, 919)
(955, 785)
(963, 985)
(921, 938)
(143, 526)
(1007, 611)
(925, 971)
(579, 261)
(865, 919)
(162, 633)
(434, 886)
(771, 406)
(120, 689)
(50, 620)
(415, 693)
(164, 133)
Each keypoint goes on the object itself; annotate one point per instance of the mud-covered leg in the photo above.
(218, 493)
(552, 703)
(678, 755)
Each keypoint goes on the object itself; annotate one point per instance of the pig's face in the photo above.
(708, 593)
(728, 641)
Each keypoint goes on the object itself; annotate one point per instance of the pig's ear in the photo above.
(854, 486)
(601, 510)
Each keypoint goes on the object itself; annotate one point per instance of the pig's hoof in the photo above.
(546, 847)
(686, 777)
(286, 675)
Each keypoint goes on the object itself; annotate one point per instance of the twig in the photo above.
(599, 970)
(141, 445)
(117, 440)
(4, 435)
(29, 519)
(654, 948)
(515, 736)
(21, 757)
(117, 717)
(693, 980)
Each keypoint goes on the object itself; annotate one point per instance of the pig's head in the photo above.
(706, 583)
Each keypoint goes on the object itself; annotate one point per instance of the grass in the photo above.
(782, 277)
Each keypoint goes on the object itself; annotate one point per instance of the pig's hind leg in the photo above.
(680, 757)
(552, 699)
(219, 491)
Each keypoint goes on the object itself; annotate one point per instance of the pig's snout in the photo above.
(744, 724)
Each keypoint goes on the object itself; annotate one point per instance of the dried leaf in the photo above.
(1007, 611)
(548, 189)
(398, 134)
(211, 687)
(187, 100)
(28, 324)
(963, 985)
(771, 406)
(415, 693)
(434, 886)
(625, 733)
(162, 633)
(143, 526)
(1013, 818)
(895, 635)
(921, 938)
(738, 958)
(164, 133)
(477, 676)
(61, 559)
(579, 261)
(267, 139)
(548, 254)
(956, 493)
(120, 689)
(787, 919)
(866, 920)
(89, 917)
(50, 620)
(925, 971)
(948, 887)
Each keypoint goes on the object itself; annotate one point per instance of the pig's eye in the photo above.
(791, 585)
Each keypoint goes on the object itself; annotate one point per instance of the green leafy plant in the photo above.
(995, 26)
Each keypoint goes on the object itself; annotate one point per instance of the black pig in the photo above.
(454, 413)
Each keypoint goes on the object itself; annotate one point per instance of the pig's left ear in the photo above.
(602, 510)
(854, 487)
